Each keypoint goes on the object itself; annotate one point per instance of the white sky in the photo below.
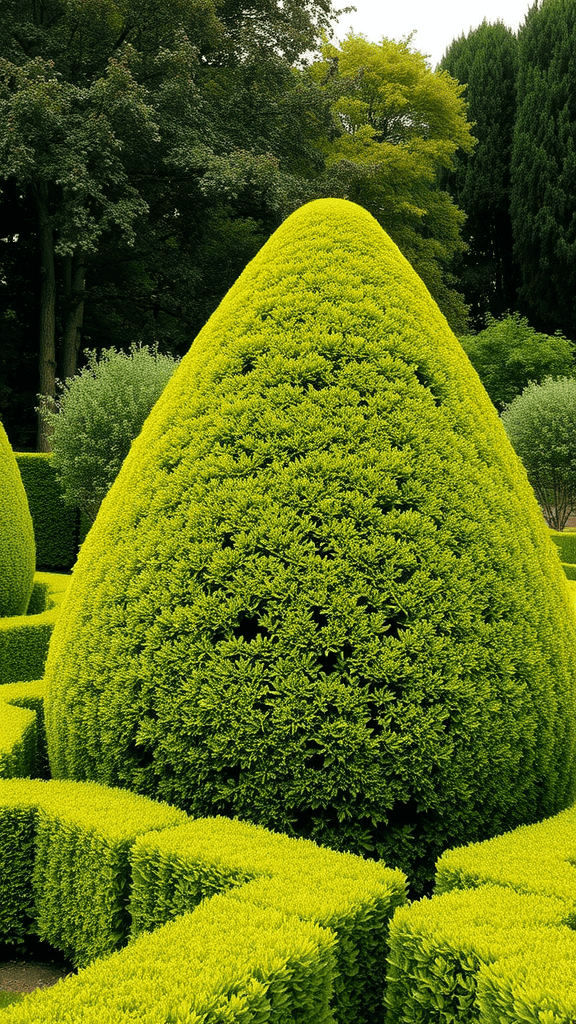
(437, 22)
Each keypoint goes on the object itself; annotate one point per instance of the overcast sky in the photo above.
(437, 23)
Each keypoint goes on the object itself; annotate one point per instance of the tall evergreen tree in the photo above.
(544, 166)
(485, 61)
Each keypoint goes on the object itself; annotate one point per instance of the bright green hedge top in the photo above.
(320, 594)
(17, 551)
(537, 858)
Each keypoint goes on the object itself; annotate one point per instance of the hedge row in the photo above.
(566, 544)
(17, 552)
(56, 525)
(76, 856)
(24, 639)
(23, 752)
(496, 945)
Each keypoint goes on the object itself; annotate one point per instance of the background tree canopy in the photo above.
(395, 124)
(485, 61)
(148, 151)
(544, 165)
(508, 354)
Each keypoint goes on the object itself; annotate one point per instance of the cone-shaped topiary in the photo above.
(320, 594)
(17, 548)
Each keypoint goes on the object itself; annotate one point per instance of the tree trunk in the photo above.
(47, 339)
(74, 291)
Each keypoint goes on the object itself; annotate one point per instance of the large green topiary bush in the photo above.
(320, 594)
(17, 549)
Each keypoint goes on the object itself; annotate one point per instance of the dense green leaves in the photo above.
(485, 61)
(544, 165)
(541, 424)
(508, 354)
(97, 416)
(320, 594)
(17, 548)
(396, 123)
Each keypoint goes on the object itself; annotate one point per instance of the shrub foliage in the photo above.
(541, 425)
(98, 414)
(17, 548)
(320, 594)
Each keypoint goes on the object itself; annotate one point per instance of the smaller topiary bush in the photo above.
(98, 414)
(17, 549)
(541, 425)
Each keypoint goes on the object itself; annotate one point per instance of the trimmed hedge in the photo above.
(320, 594)
(497, 945)
(307, 923)
(24, 639)
(176, 869)
(23, 752)
(56, 525)
(228, 962)
(566, 544)
(538, 859)
(74, 868)
(17, 550)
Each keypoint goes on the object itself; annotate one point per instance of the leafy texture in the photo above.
(485, 61)
(497, 945)
(17, 550)
(396, 125)
(320, 594)
(541, 426)
(543, 192)
(508, 354)
(56, 525)
(98, 414)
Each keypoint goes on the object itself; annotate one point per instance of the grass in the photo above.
(7, 998)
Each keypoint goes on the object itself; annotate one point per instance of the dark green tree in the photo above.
(544, 166)
(156, 147)
(485, 61)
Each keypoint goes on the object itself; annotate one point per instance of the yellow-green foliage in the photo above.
(65, 850)
(23, 751)
(497, 945)
(79, 862)
(227, 962)
(24, 639)
(56, 525)
(175, 869)
(320, 595)
(535, 859)
(17, 551)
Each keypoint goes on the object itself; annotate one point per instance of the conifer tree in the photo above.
(544, 166)
(485, 61)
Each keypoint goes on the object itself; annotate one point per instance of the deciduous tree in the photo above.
(541, 424)
(509, 354)
(396, 123)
